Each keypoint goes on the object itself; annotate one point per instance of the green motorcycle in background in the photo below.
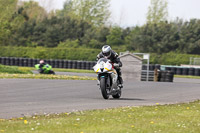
(46, 69)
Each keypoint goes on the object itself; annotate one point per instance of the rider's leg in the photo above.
(119, 76)
(41, 71)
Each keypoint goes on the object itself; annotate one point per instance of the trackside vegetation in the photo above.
(86, 54)
(178, 118)
(14, 70)
(187, 76)
(26, 73)
(50, 53)
(42, 76)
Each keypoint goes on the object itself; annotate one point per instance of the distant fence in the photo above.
(26, 62)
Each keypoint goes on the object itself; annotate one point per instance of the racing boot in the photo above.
(120, 82)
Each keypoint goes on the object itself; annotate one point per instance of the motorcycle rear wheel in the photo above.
(103, 87)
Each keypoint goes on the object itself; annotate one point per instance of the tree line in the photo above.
(85, 24)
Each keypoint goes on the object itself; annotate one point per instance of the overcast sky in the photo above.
(133, 12)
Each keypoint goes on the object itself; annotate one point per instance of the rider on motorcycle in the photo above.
(108, 53)
(42, 63)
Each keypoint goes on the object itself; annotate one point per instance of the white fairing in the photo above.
(104, 66)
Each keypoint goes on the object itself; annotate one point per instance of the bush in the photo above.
(86, 54)
(50, 53)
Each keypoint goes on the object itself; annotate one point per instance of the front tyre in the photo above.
(51, 72)
(118, 94)
(103, 87)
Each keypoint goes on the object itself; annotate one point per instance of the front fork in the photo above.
(114, 78)
(107, 77)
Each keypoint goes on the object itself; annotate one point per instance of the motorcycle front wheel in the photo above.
(118, 95)
(103, 87)
(51, 72)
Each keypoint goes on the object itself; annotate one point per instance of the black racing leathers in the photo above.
(114, 59)
(41, 66)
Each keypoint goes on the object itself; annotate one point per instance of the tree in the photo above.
(94, 11)
(7, 9)
(190, 37)
(33, 10)
(158, 11)
(115, 37)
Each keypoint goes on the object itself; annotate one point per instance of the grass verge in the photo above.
(42, 76)
(28, 70)
(14, 70)
(187, 76)
(61, 70)
(58, 70)
(179, 118)
(73, 70)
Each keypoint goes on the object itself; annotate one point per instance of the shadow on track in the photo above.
(133, 99)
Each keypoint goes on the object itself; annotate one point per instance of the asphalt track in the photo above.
(26, 97)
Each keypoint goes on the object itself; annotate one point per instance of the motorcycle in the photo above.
(46, 69)
(108, 78)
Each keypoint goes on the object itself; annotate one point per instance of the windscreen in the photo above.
(103, 59)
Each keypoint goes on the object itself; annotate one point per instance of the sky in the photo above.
(133, 12)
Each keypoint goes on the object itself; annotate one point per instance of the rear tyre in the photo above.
(103, 88)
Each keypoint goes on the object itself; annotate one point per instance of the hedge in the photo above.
(86, 54)
(171, 58)
(50, 53)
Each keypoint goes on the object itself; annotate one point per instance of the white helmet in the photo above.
(106, 50)
(41, 61)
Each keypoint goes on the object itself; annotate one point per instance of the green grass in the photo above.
(187, 76)
(8, 72)
(73, 70)
(27, 70)
(60, 70)
(14, 70)
(43, 76)
(179, 118)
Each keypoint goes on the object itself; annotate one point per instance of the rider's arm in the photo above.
(40, 66)
(41, 70)
(118, 62)
(117, 59)
(99, 56)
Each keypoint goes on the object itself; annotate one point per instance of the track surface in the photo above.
(19, 97)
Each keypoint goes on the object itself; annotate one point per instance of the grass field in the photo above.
(27, 70)
(73, 70)
(14, 70)
(60, 70)
(179, 118)
(26, 73)
(43, 76)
